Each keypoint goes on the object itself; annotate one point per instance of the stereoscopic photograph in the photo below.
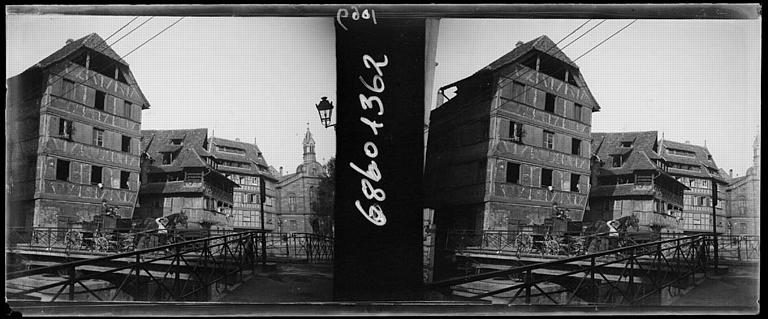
(323, 160)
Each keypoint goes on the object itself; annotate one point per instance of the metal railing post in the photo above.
(287, 245)
(72, 274)
(204, 284)
(308, 249)
(224, 263)
(631, 284)
(528, 281)
(240, 255)
(176, 280)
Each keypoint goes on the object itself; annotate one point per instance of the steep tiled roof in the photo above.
(637, 157)
(155, 142)
(542, 43)
(702, 158)
(92, 41)
(252, 156)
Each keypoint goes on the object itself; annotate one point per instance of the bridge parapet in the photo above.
(632, 275)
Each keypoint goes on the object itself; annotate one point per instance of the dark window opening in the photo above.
(575, 182)
(126, 147)
(513, 173)
(127, 108)
(106, 66)
(96, 174)
(626, 144)
(577, 112)
(176, 141)
(68, 89)
(617, 161)
(549, 103)
(518, 91)
(546, 177)
(124, 177)
(65, 128)
(167, 158)
(575, 146)
(100, 99)
(516, 131)
(549, 140)
(557, 69)
(98, 137)
(62, 170)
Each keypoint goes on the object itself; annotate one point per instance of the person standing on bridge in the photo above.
(613, 233)
(161, 222)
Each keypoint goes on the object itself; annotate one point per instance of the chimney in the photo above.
(687, 142)
(254, 141)
(237, 139)
(69, 41)
(730, 172)
(519, 43)
(281, 171)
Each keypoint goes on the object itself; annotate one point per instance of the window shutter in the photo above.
(504, 128)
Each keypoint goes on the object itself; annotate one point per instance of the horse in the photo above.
(159, 231)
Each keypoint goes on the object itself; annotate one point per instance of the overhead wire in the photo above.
(480, 96)
(57, 76)
(122, 57)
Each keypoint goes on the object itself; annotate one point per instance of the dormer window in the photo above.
(176, 141)
(617, 160)
(626, 144)
(167, 158)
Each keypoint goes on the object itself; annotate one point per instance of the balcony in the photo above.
(656, 219)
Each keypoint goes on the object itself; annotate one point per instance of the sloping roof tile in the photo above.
(542, 43)
(252, 156)
(92, 41)
(702, 158)
(637, 158)
(154, 142)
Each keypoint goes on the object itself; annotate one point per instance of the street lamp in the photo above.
(325, 109)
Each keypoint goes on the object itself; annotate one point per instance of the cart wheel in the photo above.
(102, 244)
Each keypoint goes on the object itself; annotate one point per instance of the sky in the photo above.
(240, 77)
(260, 77)
(690, 80)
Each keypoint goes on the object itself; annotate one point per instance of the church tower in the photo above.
(756, 155)
(309, 148)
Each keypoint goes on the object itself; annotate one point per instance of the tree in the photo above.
(324, 206)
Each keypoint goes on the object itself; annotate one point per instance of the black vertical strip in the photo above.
(379, 262)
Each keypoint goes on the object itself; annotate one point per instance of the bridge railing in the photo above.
(192, 270)
(629, 275)
(732, 247)
(308, 247)
(526, 239)
(312, 248)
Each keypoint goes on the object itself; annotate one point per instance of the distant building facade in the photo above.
(244, 164)
(743, 207)
(694, 166)
(180, 174)
(629, 177)
(514, 141)
(73, 125)
(298, 191)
